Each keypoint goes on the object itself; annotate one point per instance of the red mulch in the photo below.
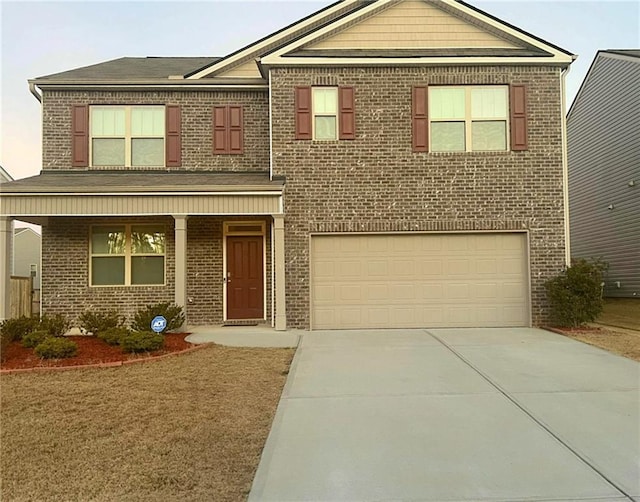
(91, 350)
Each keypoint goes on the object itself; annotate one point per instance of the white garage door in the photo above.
(424, 280)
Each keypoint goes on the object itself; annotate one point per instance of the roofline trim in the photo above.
(558, 55)
(216, 191)
(251, 84)
(417, 61)
(254, 47)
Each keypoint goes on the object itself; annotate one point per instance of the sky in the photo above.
(41, 38)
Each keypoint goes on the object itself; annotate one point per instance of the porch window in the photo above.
(127, 255)
(129, 136)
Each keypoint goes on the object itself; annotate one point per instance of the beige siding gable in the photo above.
(244, 70)
(412, 24)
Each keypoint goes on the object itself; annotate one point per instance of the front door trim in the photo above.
(243, 228)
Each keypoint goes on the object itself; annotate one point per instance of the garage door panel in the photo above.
(419, 280)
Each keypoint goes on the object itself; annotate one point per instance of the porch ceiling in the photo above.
(107, 193)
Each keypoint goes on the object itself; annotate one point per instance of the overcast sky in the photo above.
(40, 38)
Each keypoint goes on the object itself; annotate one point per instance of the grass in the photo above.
(621, 312)
(186, 428)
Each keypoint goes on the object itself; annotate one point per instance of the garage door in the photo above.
(424, 280)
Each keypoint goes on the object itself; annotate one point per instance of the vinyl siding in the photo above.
(603, 131)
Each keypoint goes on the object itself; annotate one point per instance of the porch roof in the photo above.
(132, 193)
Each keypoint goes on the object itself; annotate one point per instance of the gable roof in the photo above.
(630, 55)
(4, 175)
(301, 43)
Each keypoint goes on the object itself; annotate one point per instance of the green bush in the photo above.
(113, 336)
(141, 341)
(5, 340)
(15, 329)
(575, 296)
(56, 348)
(56, 324)
(171, 312)
(34, 338)
(100, 321)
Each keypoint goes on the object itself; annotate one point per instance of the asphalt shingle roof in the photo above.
(130, 68)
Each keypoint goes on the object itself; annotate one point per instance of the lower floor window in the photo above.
(125, 255)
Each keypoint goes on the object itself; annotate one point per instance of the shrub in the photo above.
(113, 336)
(98, 322)
(15, 329)
(56, 325)
(171, 312)
(34, 338)
(56, 348)
(5, 340)
(575, 296)
(141, 341)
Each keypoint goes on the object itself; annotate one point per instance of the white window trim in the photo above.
(314, 114)
(468, 121)
(127, 136)
(127, 256)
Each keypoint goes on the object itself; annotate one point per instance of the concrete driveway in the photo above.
(453, 414)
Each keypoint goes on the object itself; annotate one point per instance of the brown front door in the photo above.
(245, 273)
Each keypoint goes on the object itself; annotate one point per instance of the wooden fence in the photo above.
(20, 296)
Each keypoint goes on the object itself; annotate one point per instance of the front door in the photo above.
(244, 277)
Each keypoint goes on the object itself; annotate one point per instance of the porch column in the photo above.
(6, 248)
(278, 249)
(181, 260)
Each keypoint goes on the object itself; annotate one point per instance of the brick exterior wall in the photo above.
(197, 109)
(65, 266)
(377, 184)
(65, 260)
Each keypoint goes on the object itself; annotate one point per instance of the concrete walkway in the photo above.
(243, 336)
(453, 415)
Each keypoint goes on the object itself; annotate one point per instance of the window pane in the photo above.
(447, 137)
(108, 270)
(147, 121)
(107, 152)
(147, 152)
(107, 121)
(489, 135)
(107, 240)
(446, 103)
(325, 100)
(147, 240)
(489, 102)
(325, 128)
(147, 270)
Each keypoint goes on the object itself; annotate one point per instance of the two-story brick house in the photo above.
(395, 163)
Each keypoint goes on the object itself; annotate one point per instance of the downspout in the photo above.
(32, 89)
(270, 130)
(565, 166)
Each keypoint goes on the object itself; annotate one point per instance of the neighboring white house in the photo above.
(26, 254)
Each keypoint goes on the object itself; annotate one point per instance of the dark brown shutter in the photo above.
(346, 103)
(220, 129)
(173, 136)
(303, 112)
(519, 135)
(235, 129)
(420, 119)
(80, 136)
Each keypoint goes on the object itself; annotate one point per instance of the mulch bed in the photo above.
(91, 350)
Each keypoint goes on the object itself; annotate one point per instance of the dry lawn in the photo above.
(190, 427)
(621, 312)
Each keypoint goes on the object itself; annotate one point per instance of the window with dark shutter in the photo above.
(346, 102)
(228, 130)
(173, 136)
(303, 112)
(420, 120)
(80, 136)
(518, 102)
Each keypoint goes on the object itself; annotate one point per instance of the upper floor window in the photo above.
(130, 136)
(325, 113)
(475, 118)
(468, 119)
